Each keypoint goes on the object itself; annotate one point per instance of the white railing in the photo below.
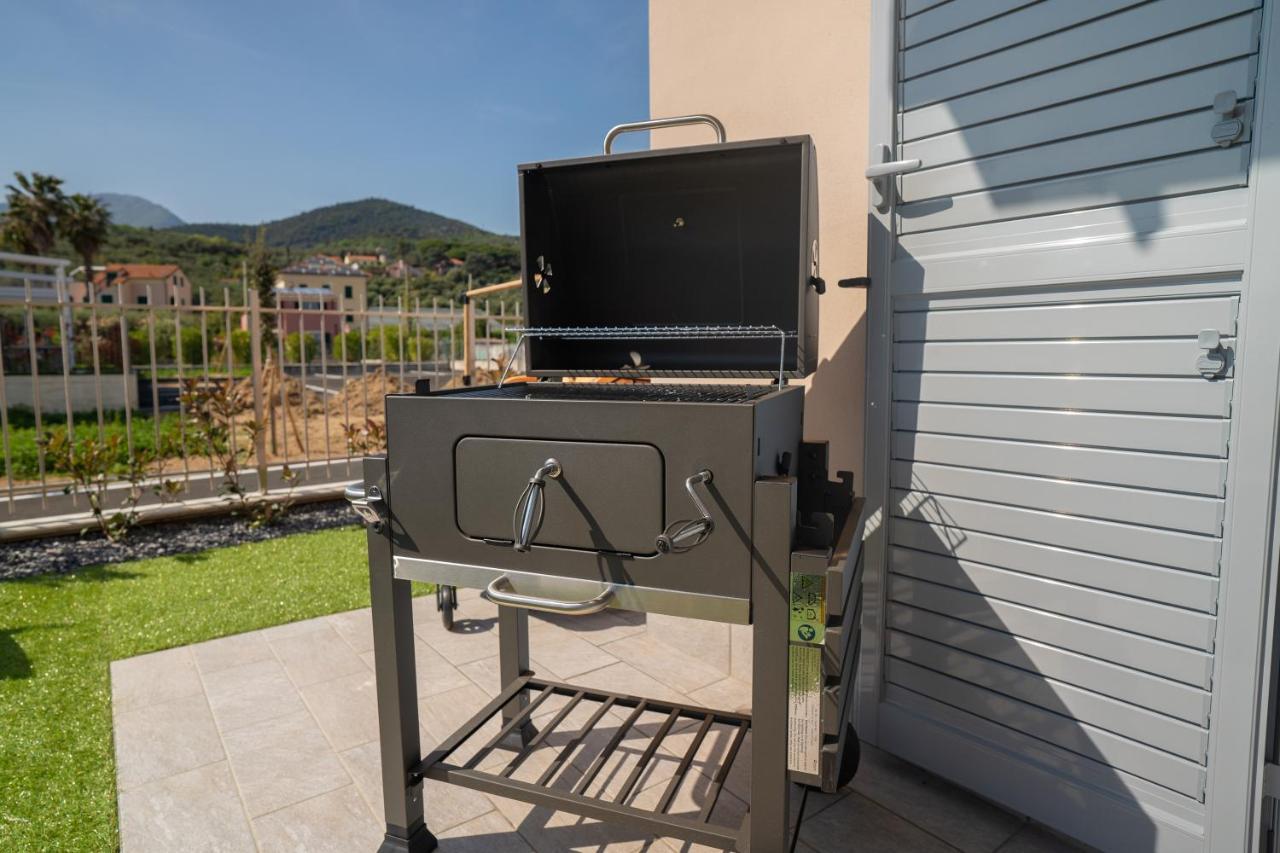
(108, 372)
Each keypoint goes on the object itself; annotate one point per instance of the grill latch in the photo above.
(367, 503)
(683, 535)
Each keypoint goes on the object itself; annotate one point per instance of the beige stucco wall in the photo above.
(772, 68)
(359, 285)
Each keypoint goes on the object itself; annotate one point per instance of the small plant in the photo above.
(218, 417)
(369, 437)
(91, 462)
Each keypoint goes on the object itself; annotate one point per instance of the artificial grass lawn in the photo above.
(58, 634)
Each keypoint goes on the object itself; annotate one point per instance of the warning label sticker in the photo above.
(808, 608)
(804, 695)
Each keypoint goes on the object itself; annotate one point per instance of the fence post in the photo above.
(255, 372)
(468, 338)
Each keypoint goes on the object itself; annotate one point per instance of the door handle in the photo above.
(882, 174)
(527, 517)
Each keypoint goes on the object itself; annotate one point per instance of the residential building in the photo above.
(358, 259)
(402, 269)
(136, 284)
(300, 311)
(348, 284)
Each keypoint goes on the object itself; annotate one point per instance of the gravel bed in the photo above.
(61, 554)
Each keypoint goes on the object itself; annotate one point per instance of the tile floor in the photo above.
(267, 741)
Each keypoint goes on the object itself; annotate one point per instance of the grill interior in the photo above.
(630, 393)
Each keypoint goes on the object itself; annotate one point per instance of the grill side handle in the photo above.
(682, 535)
(499, 591)
(674, 121)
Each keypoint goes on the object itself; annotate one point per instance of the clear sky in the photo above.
(233, 111)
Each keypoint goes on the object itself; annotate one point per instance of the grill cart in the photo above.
(693, 499)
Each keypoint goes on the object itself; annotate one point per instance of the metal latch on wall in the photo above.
(1230, 124)
(1212, 362)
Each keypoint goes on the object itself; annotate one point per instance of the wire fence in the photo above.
(296, 389)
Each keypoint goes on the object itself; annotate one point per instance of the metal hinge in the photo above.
(1212, 362)
(1230, 124)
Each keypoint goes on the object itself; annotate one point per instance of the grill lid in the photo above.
(646, 244)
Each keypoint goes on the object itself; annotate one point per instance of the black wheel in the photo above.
(446, 603)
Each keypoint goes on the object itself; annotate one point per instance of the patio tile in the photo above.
(489, 833)
(248, 694)
(153, 678)
(946, 811)
(235, 650)
(547, 830)
(597, 628)
(446, 806)
(162, 740)
(471, 639)
(484, 673)
(435, 673)
(1033, 838)
(356, 627)
(294, 629)
(625, 678)
(728, 694)
(345, 707)
(564, 652)
(653, 656)
(194, 811)
(856, 823)
(281, 762)
(316, 656)
(693, 639)
(336, 822)
(443, 713)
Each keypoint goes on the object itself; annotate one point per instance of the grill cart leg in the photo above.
(772, 527)
(513, 663)
(397, 688)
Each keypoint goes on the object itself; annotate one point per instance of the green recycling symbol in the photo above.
(806, 633)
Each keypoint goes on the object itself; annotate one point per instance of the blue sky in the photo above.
(245, 112)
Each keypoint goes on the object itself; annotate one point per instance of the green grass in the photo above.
(22, 437)
(59, 634)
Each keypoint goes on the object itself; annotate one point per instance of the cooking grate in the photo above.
(560, 784)
(631, 393)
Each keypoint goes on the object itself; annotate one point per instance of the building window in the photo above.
(351, 318)
(346, 292)
(173, 301)
(142, 300)
(107, 299)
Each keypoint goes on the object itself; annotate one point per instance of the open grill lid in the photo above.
(698, 261)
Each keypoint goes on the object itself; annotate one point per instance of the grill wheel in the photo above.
(446, 603)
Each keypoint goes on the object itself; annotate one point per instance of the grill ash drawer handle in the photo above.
(499, 592)
(528, 515)
(683, 535)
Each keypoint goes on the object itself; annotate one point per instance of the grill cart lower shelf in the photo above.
(472, 758)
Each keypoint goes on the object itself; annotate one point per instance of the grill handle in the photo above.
(499, 592)
(683, 535)
(654, 123)
(528, 514)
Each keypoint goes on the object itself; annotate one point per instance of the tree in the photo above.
(262, 276)
(85, 223)
(35, 205)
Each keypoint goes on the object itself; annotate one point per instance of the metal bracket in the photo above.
(1230, 124)
(1212, 362)
(367, 503)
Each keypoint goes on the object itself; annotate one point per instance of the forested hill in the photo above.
(352, 220)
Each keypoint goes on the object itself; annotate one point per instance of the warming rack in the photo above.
(654, 333)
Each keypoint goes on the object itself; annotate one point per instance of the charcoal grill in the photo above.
(694, 499)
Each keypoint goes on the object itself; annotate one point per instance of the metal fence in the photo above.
(300, 385)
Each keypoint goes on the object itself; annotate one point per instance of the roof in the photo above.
(129, 271)
(321, 265)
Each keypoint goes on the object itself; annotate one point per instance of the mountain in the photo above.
(371, 218)
(137, 211)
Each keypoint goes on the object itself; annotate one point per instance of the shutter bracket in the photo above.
(1212, 362)
(1230, 125)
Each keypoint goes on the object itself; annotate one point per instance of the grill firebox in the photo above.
(692, 499)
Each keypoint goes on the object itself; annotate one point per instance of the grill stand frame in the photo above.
(766, 827)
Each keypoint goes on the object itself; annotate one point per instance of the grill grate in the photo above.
(615, 391)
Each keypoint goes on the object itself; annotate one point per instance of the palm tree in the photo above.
(85, 223)
(31, 223)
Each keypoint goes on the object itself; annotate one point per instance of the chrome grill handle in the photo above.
(367, 503)
(685, 534)
(499, 592)
(527, 517)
